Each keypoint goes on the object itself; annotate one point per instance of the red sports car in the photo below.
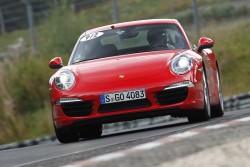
(133, 70)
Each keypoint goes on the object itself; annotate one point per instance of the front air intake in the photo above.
(77, 109)
(172, 96)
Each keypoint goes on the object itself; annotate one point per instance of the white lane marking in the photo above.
(243, 119)
(184, 134)
(147, 146)
(218, 126)
(98, 159)
(107, 157)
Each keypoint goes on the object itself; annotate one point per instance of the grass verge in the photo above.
(17, 127)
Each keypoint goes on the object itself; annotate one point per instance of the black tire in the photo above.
(91, 131)
(66, 135)
(218, 110)
(205, 114)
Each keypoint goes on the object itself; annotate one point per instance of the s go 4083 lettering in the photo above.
(123, 96)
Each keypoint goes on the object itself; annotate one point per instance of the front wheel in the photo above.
(66, 135)
(205, 114)
(218, 110)
(91, 131)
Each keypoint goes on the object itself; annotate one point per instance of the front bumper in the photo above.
(173, 100)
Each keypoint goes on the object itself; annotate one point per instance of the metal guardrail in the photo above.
(241, 101)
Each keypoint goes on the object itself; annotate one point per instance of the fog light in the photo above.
(180, 85)
(68, 100)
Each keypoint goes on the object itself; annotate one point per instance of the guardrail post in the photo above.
(56, 3)
(31, 26)
(3, 30)
(116, 12)
(196, 18)
(171, 7)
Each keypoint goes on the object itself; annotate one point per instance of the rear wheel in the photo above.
(218, 110)
(91, 131)
(205, 114)
(66, 135)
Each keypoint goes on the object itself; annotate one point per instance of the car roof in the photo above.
(134, 23)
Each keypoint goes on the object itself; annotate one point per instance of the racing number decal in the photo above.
(88, 37)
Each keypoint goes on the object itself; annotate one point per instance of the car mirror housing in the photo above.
(204, 43)
(56, 63)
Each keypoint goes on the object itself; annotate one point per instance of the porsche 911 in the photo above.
(133, 70)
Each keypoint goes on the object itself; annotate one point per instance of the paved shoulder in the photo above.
(230, 155)
(212, 145)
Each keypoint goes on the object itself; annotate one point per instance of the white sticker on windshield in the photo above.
(91, 36)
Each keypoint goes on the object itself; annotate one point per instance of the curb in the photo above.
(26, 143)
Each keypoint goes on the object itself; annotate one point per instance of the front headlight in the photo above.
(181, 64)
(65, 80)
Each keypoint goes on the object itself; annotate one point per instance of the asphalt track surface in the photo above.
(56, 154)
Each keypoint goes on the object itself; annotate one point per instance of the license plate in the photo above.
(123, 96)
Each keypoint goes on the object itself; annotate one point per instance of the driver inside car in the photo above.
(158, 40)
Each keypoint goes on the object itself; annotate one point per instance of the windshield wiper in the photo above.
(85, 60)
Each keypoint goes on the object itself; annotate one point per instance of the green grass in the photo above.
(232, 48)
(17, 127)
(11, 38)
(24, 96)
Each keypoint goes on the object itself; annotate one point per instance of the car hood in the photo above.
(124, 67)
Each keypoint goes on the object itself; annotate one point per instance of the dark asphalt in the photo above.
(56, 154)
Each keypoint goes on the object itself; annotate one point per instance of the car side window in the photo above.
(175, 39)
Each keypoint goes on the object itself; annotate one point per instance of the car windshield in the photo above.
(128, 40)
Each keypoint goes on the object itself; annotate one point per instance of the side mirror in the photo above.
(56, 63)
(204, 43)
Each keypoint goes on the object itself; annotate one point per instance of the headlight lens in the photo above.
(181, 64)
(65, 80)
